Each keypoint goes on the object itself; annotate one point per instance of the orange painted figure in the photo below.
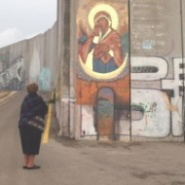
(103, 46)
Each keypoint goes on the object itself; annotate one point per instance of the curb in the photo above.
(7, 96)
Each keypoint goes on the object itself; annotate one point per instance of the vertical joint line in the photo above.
(183, 63)
(130, 106)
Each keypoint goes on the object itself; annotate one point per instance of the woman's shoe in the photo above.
(34, 167)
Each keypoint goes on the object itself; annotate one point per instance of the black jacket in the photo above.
(32, 105)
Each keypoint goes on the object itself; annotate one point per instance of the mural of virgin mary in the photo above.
(103, 46)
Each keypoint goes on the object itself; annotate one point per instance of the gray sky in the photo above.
(20, 19)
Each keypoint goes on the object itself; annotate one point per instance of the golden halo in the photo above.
(105, 76)
(106, 8)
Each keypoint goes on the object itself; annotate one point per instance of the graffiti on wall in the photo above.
(105, 114)
(159, 101)
(103, 63)
(155, 120)
(101, 51)
(103, 39)
(148, 68)
(156, 107)
(176, 85)
(12, 74)
(44, 79)
(35, 67)
(39, 74)
(149, 31)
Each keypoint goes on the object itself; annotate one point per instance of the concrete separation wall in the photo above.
(117, 68)
(32, 60)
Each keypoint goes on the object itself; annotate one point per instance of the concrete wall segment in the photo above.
(156, 69)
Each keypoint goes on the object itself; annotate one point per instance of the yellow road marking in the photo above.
(45, 136)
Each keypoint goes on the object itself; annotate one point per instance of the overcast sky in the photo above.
(20, 19)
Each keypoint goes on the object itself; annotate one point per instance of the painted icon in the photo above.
(101, 50)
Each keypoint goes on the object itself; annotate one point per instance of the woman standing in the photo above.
(32, 106)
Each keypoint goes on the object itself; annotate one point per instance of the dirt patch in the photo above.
(93, 144)
(145, 175)
(178, 183)
(141, 175)
(4, 94)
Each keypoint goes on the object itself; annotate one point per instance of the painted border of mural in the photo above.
(110, 61)
(96, 84)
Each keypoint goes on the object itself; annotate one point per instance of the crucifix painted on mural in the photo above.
(102, 38)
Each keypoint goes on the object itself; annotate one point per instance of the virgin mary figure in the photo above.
(103, 47)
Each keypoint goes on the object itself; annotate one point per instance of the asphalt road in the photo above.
(65, 162)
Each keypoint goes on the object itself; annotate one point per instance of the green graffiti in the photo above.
(148, 108)
(105, 109)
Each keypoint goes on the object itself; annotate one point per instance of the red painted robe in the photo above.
(111, 42)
